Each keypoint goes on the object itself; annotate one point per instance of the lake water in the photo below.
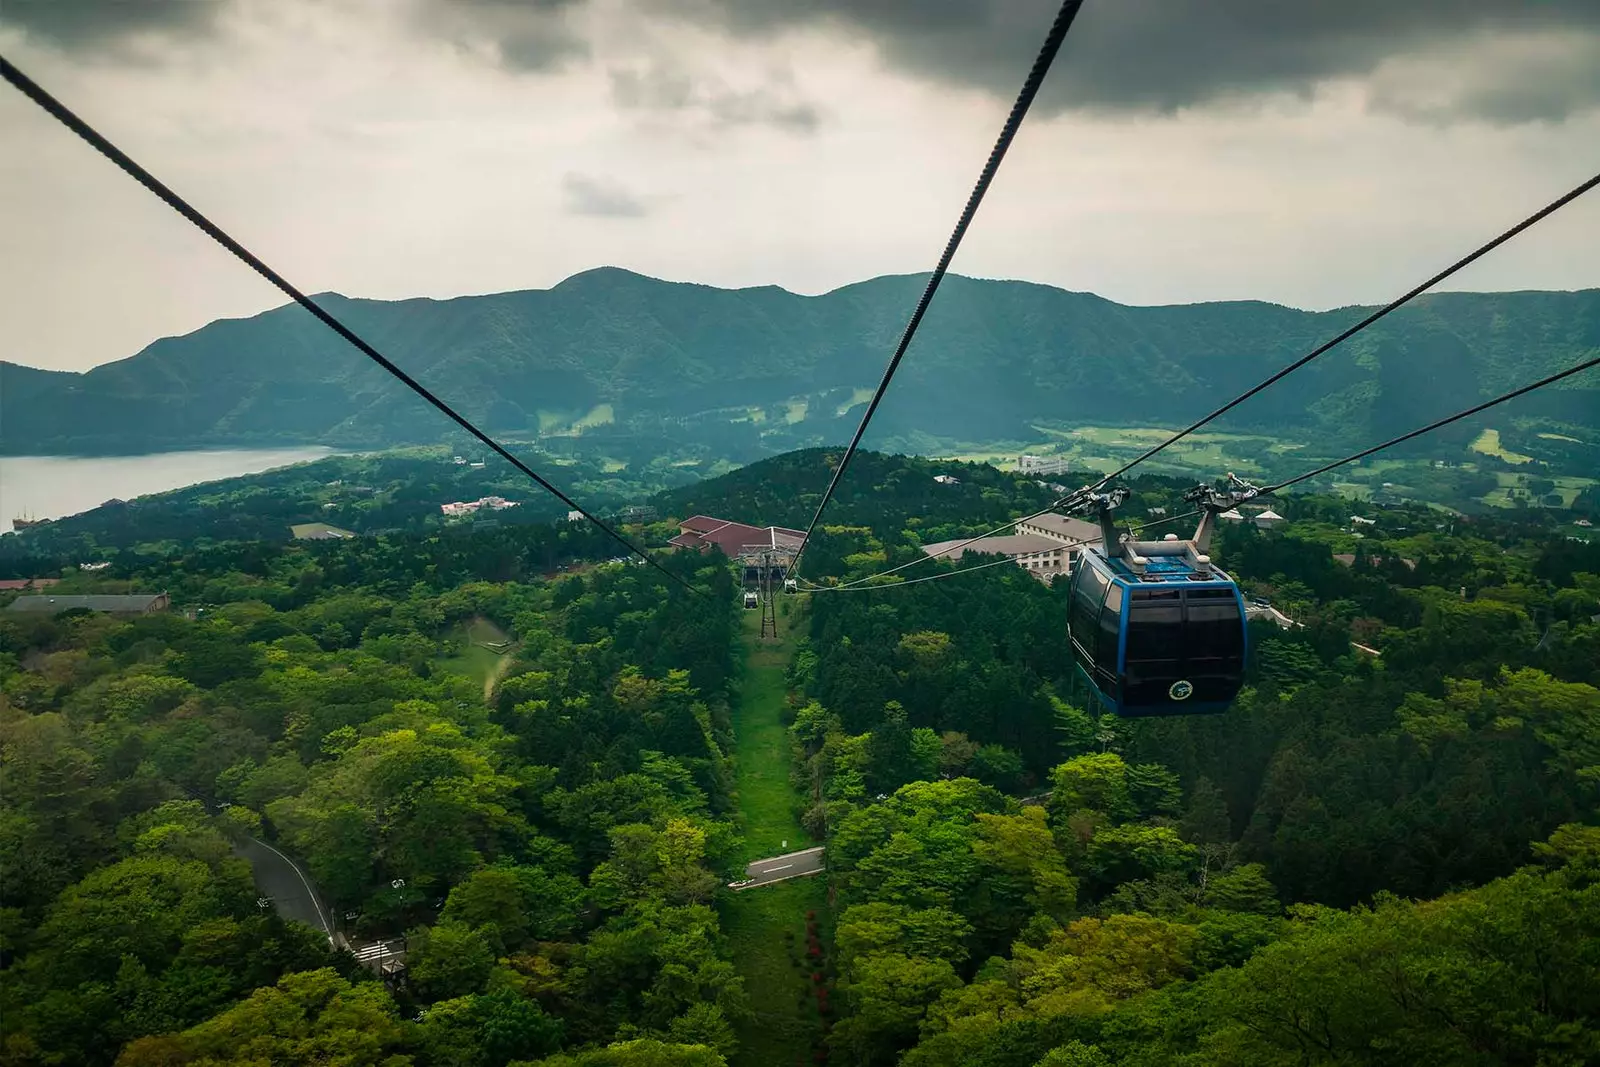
(49, 487)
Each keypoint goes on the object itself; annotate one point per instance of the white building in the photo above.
(1042, 556)
(459, 508)
(945, 479)
(1268, 519)
(1231, 515)
(1042, 464)
(1061, 528)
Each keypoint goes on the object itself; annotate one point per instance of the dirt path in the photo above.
(497, 673)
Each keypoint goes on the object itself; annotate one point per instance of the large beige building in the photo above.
(1063, 528)
(1043, 545)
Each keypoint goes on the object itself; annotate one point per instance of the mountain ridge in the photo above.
(652, 356)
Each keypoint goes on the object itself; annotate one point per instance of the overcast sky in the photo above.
(1314, 153)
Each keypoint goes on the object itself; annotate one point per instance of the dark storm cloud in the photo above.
(531, 35)
(1123, 55)
(1163, 55)
(81, 24)
(664, 88)
(590, 195)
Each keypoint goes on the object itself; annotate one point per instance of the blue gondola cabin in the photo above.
(1155, 628)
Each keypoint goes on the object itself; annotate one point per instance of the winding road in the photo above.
(291, 892)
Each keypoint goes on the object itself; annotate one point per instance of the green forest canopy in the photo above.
(1366, 860)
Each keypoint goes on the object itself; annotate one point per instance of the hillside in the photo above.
(638, 364)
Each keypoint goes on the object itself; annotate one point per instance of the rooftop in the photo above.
(1166, 569)
(703, 531)
(317, 531)
(13, 584)
(1010, 545)
(1066, 527)
(133, 604)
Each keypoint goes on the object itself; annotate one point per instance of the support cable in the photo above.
(861, 583)
(1267, 490)
(1320, 350)
(857, 587)
(1349, 332)
(971, 540)
(1030, 89)
(31, 89)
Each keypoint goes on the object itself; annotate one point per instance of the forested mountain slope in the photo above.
(992, 357)
(1388, 859)
(552, 855)
(1173, 893)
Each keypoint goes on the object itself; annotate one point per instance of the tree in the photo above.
(487, 1030)
(890, 760)
(1118, 854)
(888, 994)
(521, 902)
(704, 1025)
(643, 1052)
(1096, 782)
(448, 960)
(1075, 1054)
(313, 1017)
(1089, 966)
(1245, 888)
(865, 930)
(1206, 821)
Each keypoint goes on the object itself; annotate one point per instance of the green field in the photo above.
(761, 775)
(1488, 443)
(1569, 486)
(766, 926)
(1262, 458)
(766, 929)
(470, 659)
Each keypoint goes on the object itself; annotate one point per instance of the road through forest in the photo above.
(288, 887)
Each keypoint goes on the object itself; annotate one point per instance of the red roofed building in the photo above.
(10, 585)
(734, 538)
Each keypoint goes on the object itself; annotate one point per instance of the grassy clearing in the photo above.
(1488, 443)
(766, 929)
(599, 415)
(761, 775)
(796, 411)
(470, 659)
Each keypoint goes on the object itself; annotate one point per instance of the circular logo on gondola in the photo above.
(1181, 690)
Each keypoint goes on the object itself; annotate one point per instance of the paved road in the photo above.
(780, 868)
(286, 885)
(1283, 621)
